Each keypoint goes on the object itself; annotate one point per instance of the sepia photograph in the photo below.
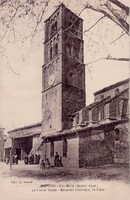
(64, 103)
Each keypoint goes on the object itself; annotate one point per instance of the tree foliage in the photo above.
(22, 20)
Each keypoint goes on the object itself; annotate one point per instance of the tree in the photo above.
(22, 34)
(31, 14)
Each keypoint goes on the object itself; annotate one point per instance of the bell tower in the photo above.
(63, 72)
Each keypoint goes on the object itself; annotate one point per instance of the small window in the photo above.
(55, 26)
(102, 97)
(70, 24)
(52, 29)
(76, 52)
(52, 149)
(117, 134)
(65, 148)
(56, 49)
(117, 91)
(68, 49)
(102, 112)
(118, 108)
(71, 74)
(125, 107)
(51, 53)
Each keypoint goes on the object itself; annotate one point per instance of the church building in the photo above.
(83, 136)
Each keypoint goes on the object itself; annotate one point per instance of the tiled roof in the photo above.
(111, 87)
(26, 127)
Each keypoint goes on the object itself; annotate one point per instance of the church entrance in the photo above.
(18, 152)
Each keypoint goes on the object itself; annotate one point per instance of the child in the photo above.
(42, 165)
(47, 163)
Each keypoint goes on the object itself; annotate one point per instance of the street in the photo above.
(34, 183)
(33, 172)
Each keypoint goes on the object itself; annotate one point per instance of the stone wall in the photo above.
(51, 110)
(72, 159)
(122, 143)
(73, 100)
(95, 149)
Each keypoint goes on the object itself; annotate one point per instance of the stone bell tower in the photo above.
(63, 72)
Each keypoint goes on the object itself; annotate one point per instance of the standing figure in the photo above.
(56, 159)
(35, 159)
(38, 158)
(60, 162)
(47, 163)
(42, 165)
(26, 160)
(16, 159)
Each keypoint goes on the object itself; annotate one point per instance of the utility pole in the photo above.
(11, 155)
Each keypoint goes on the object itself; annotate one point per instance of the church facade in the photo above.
(82, 135)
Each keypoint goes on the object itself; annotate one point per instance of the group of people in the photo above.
(45, 164)
(32, 159)
(35, 159)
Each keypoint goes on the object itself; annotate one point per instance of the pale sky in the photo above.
(20, 102)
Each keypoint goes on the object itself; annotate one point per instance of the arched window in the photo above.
(118, 109)
(55, 26)
(51, 53)
(65, 148)
(102, 111)
(56, 49)
(125, 107)
(68, 49)
(117, 134)
(102, 97)
(117, 91)
(52, 149)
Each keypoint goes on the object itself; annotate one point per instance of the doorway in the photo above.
(18, 152)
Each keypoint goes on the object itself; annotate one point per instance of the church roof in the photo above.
(111, 86)
(26, 131)
(26, 127)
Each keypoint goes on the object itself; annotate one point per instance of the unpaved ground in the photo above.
(29, 182)
(107, 172)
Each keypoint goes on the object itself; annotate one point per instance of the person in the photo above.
(47, 163)
(35, 159)
(7, 160)
(26, 160)
(32, 158)
(16, 159)
(13, 159)
(38, 158)
(60, 162)
(42, 164)
(56, 159)
(29, 159)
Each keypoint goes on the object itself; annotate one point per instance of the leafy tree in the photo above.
(21, 22)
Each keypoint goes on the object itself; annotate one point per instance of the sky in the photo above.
(20, 101)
